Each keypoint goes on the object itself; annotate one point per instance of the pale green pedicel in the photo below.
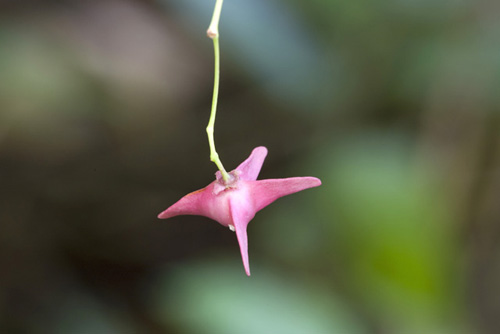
(213, 33)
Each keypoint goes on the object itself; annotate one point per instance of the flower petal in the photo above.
(191, 204)
(250, 168)
(242, 213)
(264, 192)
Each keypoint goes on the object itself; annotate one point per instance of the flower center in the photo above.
(222, 185)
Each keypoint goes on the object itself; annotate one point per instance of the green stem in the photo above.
(213, 33)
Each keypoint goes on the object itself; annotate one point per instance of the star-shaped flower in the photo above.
(235, 202)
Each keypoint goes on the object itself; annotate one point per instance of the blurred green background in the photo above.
(394, 104)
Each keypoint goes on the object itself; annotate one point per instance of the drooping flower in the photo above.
(233, 203)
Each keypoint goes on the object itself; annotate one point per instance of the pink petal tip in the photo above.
(250, 168)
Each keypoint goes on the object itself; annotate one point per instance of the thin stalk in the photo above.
(213, 33)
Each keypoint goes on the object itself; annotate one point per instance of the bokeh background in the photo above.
(394, 104)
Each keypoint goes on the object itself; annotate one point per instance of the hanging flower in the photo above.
(233, 203)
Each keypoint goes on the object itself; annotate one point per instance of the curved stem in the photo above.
(213, 33)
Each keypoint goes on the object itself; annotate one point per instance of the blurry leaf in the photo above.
(42, 98)
(391, 230)
(36, 75)
(451, 68)
(215, 298)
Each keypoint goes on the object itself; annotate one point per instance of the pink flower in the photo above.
(235, 202)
